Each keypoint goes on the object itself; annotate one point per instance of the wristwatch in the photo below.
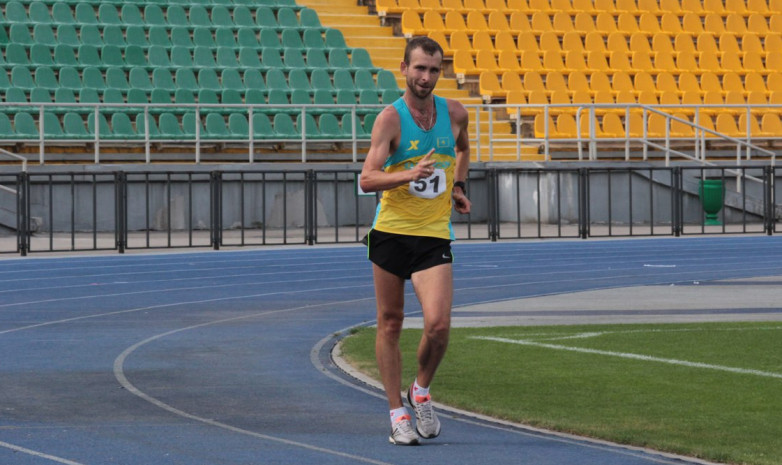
(462, 185)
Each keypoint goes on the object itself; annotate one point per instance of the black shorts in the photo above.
(404, 255)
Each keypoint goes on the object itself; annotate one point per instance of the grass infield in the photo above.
(708, 390)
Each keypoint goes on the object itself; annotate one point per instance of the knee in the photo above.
(390, 323)
(438, 331)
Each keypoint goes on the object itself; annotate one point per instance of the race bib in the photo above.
(431, 187)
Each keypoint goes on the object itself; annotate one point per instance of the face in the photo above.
(422, 72)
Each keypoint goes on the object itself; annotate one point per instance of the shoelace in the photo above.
(424, 410)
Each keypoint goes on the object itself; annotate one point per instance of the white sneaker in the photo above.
(402, 432)
(426, 421)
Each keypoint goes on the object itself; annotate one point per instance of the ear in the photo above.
(403, 68)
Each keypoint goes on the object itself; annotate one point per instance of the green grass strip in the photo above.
(708, 390)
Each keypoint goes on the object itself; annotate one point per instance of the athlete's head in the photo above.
(422, 65)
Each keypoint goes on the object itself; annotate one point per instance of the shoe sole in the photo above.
(410, 400)
(414, 442)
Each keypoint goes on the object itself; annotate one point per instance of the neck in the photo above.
(419, 104)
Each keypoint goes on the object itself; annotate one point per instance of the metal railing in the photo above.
(487, 141)
(116, 210)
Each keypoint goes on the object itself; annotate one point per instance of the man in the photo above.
(419, 157)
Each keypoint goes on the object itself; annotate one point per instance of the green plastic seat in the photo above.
(308, 18)
(43, 34)
(253, 80)
(287, 19)
(191, 125)
(347, 127)
(89, 56)
(15, 12)
(24, 126)
(16, 54)
(291, 39)
(85, 14)
(215, 127)
(46, 79)
(185, 79)
(388, 96)
(207, 79)
(386, 80)
(180, 57)
(335, 40)
(320, 79)
(21, 77)
(346, 97)
(368, 97)
(114, 96)
(41, 55)
(199, 17)
(262, 126)
(136, 36)
(369, 122)
(112, 35)
(221, 17)
(324, 99)
(122, 127)
(243, 17)
(226, 58)
(180, 37)
(51, 126)
(202, 37)
(162, 79)
(89, 96)
(108, 14)
(139, 79)
(269, 38)
(231, 97)
(3, 36)
(6, 130)
(249, 58)
(111, 55)
(134, 56)
(283, 127)
(313, 38)
(131, 15)
(160, 96)
(316, 59)
(157, 57)
(203, 58)
(158, 35)
(16, 95)
(73, 126)
(63, 95)
(338, 60)
(238, 127)
(116, 79)
(363, 80)
(69, 78)
(300, 97)
(135, 96)
(89, 34)
(39, 13)
(146, 125)
(66, 35)
(208, 97)
(265, 18)
(360, 59)
(329, 127)
(298, 80)
(224, 37)
(168, 126)
(176, 16)
(153, 15)
(62, 14)
(276, 81)
(307, 125)
(231, 79)
(343, 80)
(184, 97)
(104, 131)
(246, 37)
(271, 58)
(294, 59)
(255, 97)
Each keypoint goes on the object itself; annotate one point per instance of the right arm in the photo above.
(385, 138)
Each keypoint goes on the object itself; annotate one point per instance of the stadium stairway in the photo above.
(363, 29)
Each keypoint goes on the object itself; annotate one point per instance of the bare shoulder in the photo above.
(387, 120)
(457, 111)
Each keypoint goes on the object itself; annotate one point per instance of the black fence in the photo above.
(118, 210)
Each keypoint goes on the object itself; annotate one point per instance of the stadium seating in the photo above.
(220, 54)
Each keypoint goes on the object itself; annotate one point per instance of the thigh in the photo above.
(389, 293)
(434, 289)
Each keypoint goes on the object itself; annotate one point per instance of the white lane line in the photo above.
(119, 373)
(645, 358)
(38, 454)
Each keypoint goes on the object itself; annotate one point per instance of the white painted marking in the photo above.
(38, 454)
(645, 358)
(659, 266)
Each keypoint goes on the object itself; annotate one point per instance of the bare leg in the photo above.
(434, 288)
(389, 293)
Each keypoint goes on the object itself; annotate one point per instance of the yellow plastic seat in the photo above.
(731, 62)
(679, 129)
(640, 43)
(693, 24)
(575, 61)
(596, 61)
(489, 87)
(758, 7)
(753, 62)
(583, 23)
(508, 62)
(577, 82)
(456, 6)
(754, 82)
(533, 82)
(665, 83)
(519, 21)
(584, 97)
(541, 131)
(757, 23)
(500, 6)
(585, 6)
(671, 6)
(710, 62)
(433, 5)
(563, 6)
(671, 23)
(712, 23)
(735, 24)
(774, 61)
(604, 22)
(541, 22)
(555, 81)
(463, 64)
(635, 125)
(599, 81)
(649, 24)
(566, 126)
(642, 61)
(617, 42)
(651, 7)
(770, 125)
(757, 98)
(626, 23)
(661, 43)
(433, 21)
(647, 97)
(594, 42)
(732, 81)
(571, 41)
(618, 61)
(626, 6)
(735, 97)
(498, 21)
(476, 22)
(750, 42)
(714, 7)
(692, 6)
(562, 22)
(537, 97)
(655, 126)
(622, 82)
(604, 6)
(709, 82)
(552, 60)
(729, 44)
(686, 62)
(518, 5)
(772, 43)
(530, 60)
(511, 82)
(612, 126)
(442, 39)
(454, 21)
(774, 82)
(683, 43)
(688, 82)
(459, 40)
(706, 44)
(726, 124)
(736, 7)
(643, 82)
(526, 42)
(549, 41)
(664, 62)
(541, 5)
(482, 40)
(411, 24)
(504, 40)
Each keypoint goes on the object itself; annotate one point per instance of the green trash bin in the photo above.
(712, 194)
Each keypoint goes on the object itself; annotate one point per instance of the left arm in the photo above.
(460, 120)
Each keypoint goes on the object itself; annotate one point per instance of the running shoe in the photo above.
(426, 421)
(402, 433)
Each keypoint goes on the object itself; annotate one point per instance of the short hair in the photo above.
(429, 46)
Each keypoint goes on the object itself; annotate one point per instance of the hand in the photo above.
(460, 202)
(424, 168)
